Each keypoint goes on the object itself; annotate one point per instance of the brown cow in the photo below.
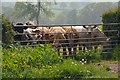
(71, 37)
(44, 33)
(57, 36)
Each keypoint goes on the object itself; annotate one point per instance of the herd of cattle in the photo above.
(67, 37)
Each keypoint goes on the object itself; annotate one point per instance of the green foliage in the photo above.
(100, 27)
(71, 69)
(30, 10)
(7, 31)
(111, 16)
(116, 53)
(44, 62)
(17, 59)
(89, 56)
(68, 69)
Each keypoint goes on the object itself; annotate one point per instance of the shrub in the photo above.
(89, 56)
(7, 31)
(111, 16)
(17, 59)
(115, 54)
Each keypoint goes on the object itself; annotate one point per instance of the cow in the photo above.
(39, 33)
(71, 37)
(31, 34)
(44, 32)
(29, 22)
(57, 36)
(18, 29)
(90, 36)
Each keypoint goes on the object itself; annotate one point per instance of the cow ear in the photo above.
(95, 26)
(84, 26)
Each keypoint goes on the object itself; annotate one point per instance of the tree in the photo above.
(32, 10)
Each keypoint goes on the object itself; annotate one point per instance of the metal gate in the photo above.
(112, 34)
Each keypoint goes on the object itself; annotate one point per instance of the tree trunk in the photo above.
(38, 12)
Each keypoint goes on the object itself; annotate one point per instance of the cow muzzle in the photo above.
(89, 32)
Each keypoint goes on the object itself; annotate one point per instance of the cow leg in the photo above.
(84, 48)
(80, 47)
(70, 50)
(95, 47)
(58, 51)
(64, 50)
(89, 48)
(74, 49)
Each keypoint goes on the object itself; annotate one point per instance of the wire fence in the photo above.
(72, 43)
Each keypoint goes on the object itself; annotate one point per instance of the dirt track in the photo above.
(114, 68)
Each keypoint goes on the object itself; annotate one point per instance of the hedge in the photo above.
(7, 31)
(111, 16)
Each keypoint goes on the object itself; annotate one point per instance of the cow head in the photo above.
(29, 22)
(19, 23)
(89, 28)
(32, 34)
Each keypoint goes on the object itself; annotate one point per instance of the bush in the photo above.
(111, 16)
(89, 56)
(116, 53)
(7, 31)
(17, 59)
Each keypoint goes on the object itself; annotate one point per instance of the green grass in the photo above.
(100, 27)
(74, 69)
(44, 62)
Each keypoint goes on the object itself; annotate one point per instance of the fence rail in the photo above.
(55, 25)
(112, 42)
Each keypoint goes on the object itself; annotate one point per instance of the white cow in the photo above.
(90, 36)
